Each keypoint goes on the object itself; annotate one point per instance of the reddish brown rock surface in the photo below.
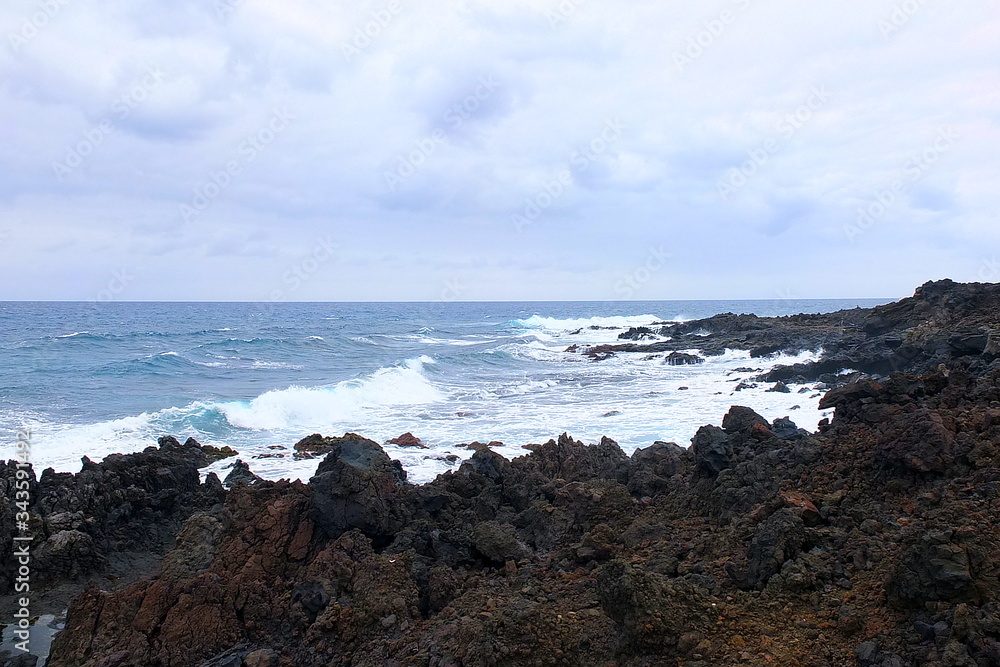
(806, 550)
(872, 543)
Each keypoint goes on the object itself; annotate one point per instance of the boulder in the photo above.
(653, 612)
(711, 449)
(778, 539)
(498, 543)
(741, 419)
(932, 569)
(241, 474)
(918, 440)
(407, 440)
(652, 467)
(355, 487)
(683, 359)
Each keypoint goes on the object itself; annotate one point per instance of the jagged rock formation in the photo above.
(131, 503)
(870, 543)
(942, 321)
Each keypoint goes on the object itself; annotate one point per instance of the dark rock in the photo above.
(683, 359)
(197, 545)
(355, 486)
(241, 474)
(571, 460)
(781, 388)
(312, 596)
(850, 394)
(652, 612)
(637, 333)
(741, 419)
(932, 569)
(785, 429)
(918, 440)
(652, 467)
(867, 654)
(88, 522)
(776, 540)
(711, 449)
(487, 463)
(498, 543)
(969, 342)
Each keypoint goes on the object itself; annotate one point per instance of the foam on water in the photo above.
(491, 378)
(557, 324)
(295, 407)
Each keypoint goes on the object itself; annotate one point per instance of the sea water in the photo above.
(91, 379)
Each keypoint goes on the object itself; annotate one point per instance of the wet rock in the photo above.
(407, 440)
(683, 359)
(214, 454)
(785, 429)
(241, 474)
(637, 333)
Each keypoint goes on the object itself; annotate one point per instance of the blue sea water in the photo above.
(96, 378)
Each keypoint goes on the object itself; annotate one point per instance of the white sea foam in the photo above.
(571, 393)
(571, 324)
(313, 407)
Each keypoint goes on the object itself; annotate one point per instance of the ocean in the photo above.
(91, 379)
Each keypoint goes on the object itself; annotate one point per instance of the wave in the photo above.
(310, 408)
(517, 389)
(569, 324)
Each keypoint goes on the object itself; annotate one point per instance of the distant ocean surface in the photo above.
(96, 378)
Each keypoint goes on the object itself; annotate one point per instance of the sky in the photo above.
(511, 150)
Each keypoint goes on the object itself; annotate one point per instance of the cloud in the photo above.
(756, 143)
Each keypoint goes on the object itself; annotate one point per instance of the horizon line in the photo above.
(438, 301)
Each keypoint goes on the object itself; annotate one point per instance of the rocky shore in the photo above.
(943, 320)
(871, 542)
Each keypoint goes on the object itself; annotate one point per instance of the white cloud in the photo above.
(388, 87)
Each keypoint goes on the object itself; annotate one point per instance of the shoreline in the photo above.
(873, 533)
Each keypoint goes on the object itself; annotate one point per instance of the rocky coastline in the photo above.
(873, 541)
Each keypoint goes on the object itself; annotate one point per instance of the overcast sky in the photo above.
(516, 149)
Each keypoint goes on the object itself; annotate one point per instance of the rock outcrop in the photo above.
(871, 542)
(761, 544)
(86, 522)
